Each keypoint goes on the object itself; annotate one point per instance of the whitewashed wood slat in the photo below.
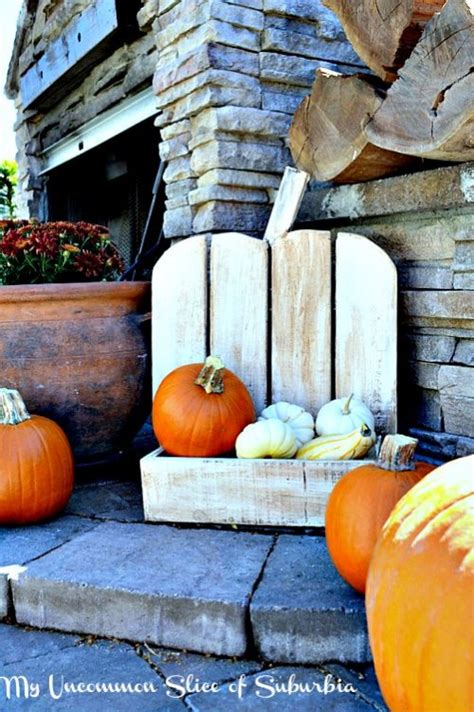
(287, 203)
(301, 319)
(272, 492)
(232, 491)
(239, 309)
(179, 307)
(366, 327)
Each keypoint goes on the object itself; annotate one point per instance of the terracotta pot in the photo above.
(79, 353)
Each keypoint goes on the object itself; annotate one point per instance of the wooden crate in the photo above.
(231, 491)
(270, 310)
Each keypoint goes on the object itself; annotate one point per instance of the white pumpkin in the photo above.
(266, 438)
(297, 418)
(342, 416)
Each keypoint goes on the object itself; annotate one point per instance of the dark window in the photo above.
(112, 185)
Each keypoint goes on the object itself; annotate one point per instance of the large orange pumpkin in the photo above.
(420, 595)
(361, 502)
(36, 465)
(199, 410)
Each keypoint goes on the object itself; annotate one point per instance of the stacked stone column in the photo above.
(229, 78)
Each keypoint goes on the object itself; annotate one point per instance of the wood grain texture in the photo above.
(231, 491)
(429, 111)
(287, 203)
(179, 307)
(384, 32)
(272, 492)
(239, 309)
(366, 327)
(301, 319)
(328, 137)
(83, 44)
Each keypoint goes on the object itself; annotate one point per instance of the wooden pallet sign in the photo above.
(270, 310)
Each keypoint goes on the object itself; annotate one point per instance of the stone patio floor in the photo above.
(266, 610)
(49, 667)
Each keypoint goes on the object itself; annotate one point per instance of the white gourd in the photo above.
(266, 438)
(342, 416)
(297, 418)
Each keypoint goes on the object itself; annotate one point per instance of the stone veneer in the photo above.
(425, 222)
(229, 78)
(123, 73)
(228, 75)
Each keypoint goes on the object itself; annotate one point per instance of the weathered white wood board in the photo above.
(366, 327)
(231, 491)
(179, 307)
(287, 204)
(239, 309)
(285, 279)
(301, 319)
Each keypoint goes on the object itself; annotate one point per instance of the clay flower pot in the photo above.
(79, 354)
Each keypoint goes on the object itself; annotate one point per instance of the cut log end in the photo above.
(384, 33)
(429, 111)
(373, 163)
(328, 135)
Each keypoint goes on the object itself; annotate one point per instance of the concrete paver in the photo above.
(303, 611)
(182, 588)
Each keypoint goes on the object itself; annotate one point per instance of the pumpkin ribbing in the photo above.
(36, 465)
(343, 415)
(199, 409)
(419, 595)
(361, 502)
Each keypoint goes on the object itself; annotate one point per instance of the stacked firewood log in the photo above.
(418, 106)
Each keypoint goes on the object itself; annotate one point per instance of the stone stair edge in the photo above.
(250, 598)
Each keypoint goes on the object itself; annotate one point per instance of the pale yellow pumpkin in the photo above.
(266, 438)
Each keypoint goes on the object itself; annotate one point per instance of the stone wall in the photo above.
(121, 74)
(425, 222)
(230, 76)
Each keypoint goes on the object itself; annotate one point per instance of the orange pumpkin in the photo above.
(361, 502)
(199, 410)
(420, 595)
(36, 465)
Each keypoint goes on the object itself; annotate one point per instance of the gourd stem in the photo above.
(397, 453)
(12, 408)
(345, 407)
(211, 376)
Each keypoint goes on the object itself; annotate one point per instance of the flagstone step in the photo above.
(182, 588)
(212, 591)
(20, 545)
(303, 611)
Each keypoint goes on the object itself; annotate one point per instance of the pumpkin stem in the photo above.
(345, 407)
(397, 452)
(12, 408)
(211, 376)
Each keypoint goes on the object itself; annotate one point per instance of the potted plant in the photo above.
(72, 337)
